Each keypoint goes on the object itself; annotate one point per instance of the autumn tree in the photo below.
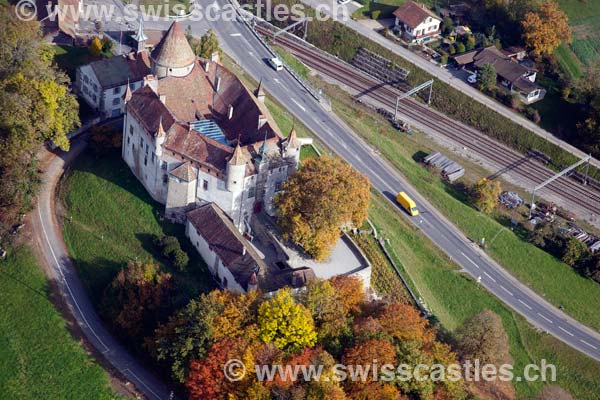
(545, 29)
(325, 194)
(137, 298)
(404, 323)
(485, 194)
(486, 79)
(206, 379)
(96, 47)
(363, 355)
(35, 105)
(483, 338)
(554, 392)
(206, 46)
(350, 292)
(213, 316)
(286, 323)
(328, 312)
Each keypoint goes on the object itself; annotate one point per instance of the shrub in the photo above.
(460, 47)
(451, 49)
(180, 259)
(444, 59)
(170, 249)
(375, 14)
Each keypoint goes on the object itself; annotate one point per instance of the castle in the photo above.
(194, 134)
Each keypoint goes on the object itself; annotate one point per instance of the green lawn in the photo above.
(110, 219)
(293, 62)
(568, 62)
(68, 58)
(39, 359)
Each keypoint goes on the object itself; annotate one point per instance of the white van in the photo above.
(276, 63)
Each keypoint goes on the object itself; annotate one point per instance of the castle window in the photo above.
(86, 79)
(252, 192)
(153, 158)
(165, 178)
(116, 101)
(142, 142)
(278, 186)
(131, 129)
(128, 140)
(145, 160)
(117, 90)
(164, 165)
(204, 184)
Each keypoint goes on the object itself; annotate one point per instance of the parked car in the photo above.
(276, 63)
(343, 1)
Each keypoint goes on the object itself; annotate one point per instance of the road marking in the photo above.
(489, 276)
(471, 261)
(277, 81)
(235, 34)
(525, 304)
(546, 318)
(142, 382)
(506, 290)
(589, 344)
(67, 283)
(299, 105)
(565, 331)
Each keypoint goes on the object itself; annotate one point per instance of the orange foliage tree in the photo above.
(545, 29)
(325, 194)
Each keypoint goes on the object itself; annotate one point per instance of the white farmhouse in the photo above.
(416, 22)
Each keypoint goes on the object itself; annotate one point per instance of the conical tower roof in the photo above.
(237, 158)
(174, 51)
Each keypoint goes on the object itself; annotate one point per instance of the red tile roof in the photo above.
(412, 14)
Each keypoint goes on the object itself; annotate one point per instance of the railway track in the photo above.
(468, 137)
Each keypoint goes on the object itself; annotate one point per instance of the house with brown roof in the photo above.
(513, 75)
(231, 258)
(416, 23)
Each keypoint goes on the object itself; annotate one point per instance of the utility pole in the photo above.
(565, 171)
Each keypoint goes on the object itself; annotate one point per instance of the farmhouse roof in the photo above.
(116, 71)
(412, 14)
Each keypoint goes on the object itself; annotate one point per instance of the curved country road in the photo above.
(54, 252)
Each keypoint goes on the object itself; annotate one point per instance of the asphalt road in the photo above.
(52, 246)
(240, 43)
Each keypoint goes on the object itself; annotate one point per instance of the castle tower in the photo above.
(173, 55)
(236, 170)
(292, 145)
(140, 37)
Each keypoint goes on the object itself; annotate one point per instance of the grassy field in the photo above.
(110, 219)
(39, 359)
(453, 297)
(568, 62)
(584, 18)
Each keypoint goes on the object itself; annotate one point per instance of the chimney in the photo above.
(150, 80)
(243, 250)
(261, 121)
(214, 57)
(163, 99)
(206, 66)
(230, 112)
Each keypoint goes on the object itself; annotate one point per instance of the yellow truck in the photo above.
(407, 203)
